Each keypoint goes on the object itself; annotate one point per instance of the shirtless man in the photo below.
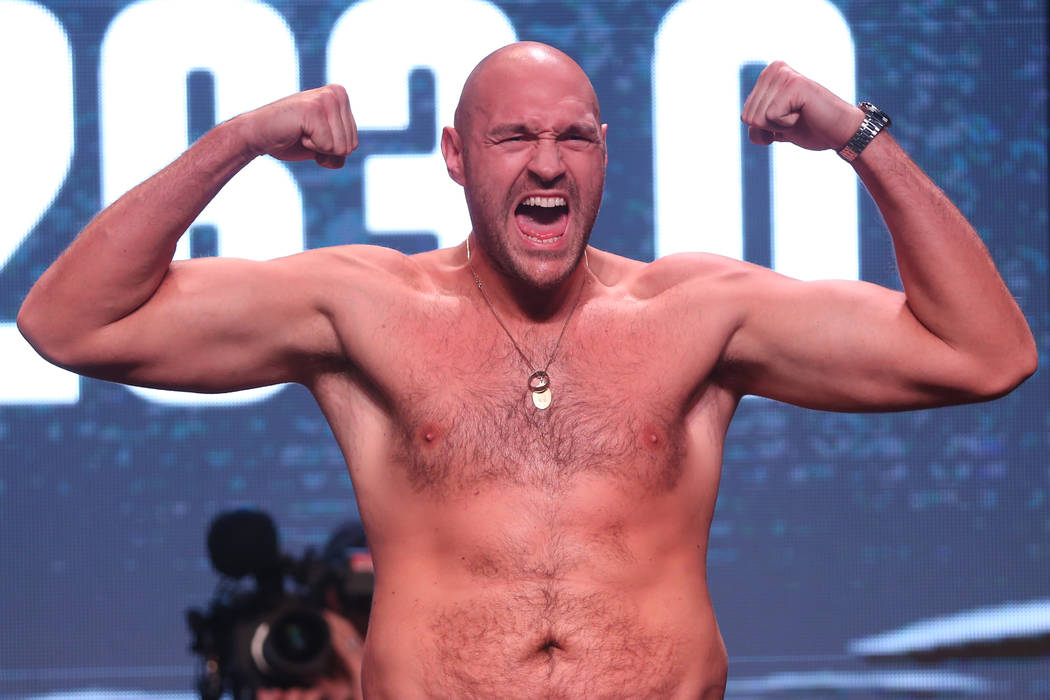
(522, 551)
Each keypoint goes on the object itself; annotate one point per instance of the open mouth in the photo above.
(542, 218)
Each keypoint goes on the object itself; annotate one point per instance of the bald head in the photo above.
(528, 126)
(513, 67)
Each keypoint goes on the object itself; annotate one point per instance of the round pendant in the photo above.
(541, 399)
(539, 381)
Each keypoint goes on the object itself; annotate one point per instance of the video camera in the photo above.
(272, 633)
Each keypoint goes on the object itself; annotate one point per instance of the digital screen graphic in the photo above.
(856, 556)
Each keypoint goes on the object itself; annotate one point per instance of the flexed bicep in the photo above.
(114, 305)
(842, 346)
(215, 325)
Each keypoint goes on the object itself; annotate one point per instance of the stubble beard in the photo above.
(489, 222)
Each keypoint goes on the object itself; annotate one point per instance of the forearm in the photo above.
(950, 281)
(120, 259)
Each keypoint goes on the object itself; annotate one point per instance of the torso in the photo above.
(523, 553)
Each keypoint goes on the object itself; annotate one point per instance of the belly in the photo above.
(546, 639)
(541, 556)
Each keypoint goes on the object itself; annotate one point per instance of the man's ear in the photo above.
(451, 149)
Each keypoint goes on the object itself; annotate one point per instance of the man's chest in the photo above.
(623, 383)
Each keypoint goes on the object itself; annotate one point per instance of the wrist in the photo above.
(851, 123)
(222, 152)
(241, 136)
(872, 124)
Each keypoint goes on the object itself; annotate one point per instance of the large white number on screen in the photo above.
(146, 55)
(411, 192)
(38, 73)
(700, 49)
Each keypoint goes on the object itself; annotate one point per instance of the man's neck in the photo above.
(521, 300)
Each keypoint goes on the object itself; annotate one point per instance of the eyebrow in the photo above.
(508, 128)
(581, 128)
(587, 129)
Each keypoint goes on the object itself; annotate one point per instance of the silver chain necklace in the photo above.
(539, 381)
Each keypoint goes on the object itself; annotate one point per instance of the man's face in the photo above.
(533, 154)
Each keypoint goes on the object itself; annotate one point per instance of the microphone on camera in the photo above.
(242, 542)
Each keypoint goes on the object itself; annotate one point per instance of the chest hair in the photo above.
(470, 433)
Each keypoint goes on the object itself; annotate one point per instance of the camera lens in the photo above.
(293, 644)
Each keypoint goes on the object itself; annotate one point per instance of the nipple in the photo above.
(429, 434)
(652, 438)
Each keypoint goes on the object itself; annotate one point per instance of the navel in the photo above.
(548, 646)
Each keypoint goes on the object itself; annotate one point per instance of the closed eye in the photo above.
(580, 135)
(578, 141)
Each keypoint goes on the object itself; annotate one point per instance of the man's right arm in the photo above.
(115, 306)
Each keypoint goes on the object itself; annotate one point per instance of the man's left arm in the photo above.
(956, 334)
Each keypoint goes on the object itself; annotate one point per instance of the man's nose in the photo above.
(546, 163)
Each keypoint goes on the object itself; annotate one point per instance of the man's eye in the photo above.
(578, 143)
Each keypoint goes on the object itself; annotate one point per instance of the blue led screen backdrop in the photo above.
(831, 529)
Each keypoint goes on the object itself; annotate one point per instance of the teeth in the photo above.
(546, 202)
(541, 240)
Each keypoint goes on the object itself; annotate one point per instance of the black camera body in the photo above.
(270, 631)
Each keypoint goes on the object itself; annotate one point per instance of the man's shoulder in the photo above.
(646, 280)
(363, 263)
(377, 256)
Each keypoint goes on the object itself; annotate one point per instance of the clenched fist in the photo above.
(786, 106)
(311, 124)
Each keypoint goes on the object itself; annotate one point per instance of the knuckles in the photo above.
(330, 97)
(317, 120)
(337, 91)
(778, 86)
(326, 106)
(779, 76)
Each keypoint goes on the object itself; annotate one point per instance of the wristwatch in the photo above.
(875, 120)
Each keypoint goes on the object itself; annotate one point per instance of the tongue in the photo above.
(542, 222)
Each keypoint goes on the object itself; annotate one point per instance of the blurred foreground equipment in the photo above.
(265, 627)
